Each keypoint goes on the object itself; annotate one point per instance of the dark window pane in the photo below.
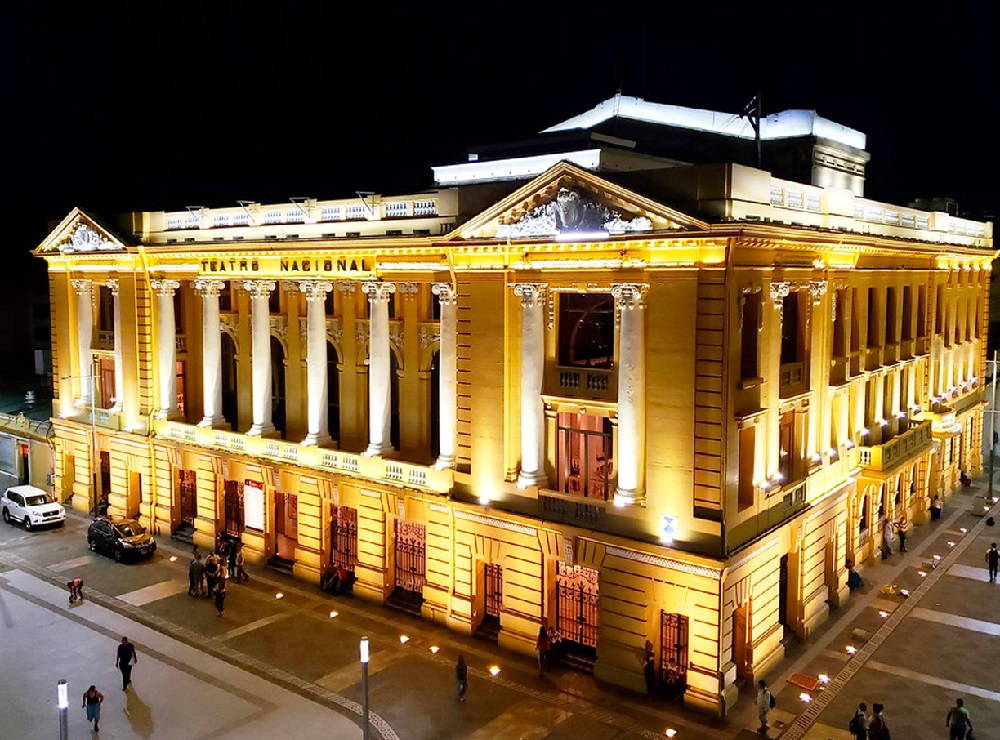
(586, 330)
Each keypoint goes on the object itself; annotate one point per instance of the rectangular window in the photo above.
(907, 312)
(253, 500)
(586, 330)
(181, 405)
(873, 339)
(241, 219)
(221, 219)
(330, 213)
(890, 316)
(792, 344)
(786, 447)
(922, 311)
(272, 217)
(749, 350)
(839, 325)
(585, 452)
(424, 208)
(855, 321)
(356, 212)
(397, 209)
(748, 455)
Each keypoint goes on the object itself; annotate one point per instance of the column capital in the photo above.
(377, 291)
(779, 291)
(532, 295)
(259, 288)
(208, 287)
(112, 286)
(346, 286)
(629, 296)
(408, 289)
(82, 286)
(316, 290)
(164, 286)
(445, 293)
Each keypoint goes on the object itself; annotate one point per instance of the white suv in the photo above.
(31, 506)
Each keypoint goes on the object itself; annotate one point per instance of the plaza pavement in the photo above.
(289, 666)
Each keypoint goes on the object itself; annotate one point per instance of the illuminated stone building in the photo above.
(586, 384)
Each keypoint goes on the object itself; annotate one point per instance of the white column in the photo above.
(211, 351)
(166, 340)
(448, 380)
(316, 361)
(260, 347)
(629, 301)
(379, 382)
(85, 337)
(118, 405)
(532, 297)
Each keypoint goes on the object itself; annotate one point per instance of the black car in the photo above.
(121, 538)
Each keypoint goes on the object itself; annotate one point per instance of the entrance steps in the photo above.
(282, 565)
(405, 601)
(184, 534)
(489, 630)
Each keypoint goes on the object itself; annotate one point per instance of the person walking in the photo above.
(992, 561)
(462, 678)
(234, 548)
(859, 723)
(649, 673)
(936, 507)
(877, 728)
(220, 593)
(211, 573)
(763, 704)
(127, 658)
(902, 529)
(92, 699)
(958, 721)
(543, 647)
(196, 575)
(241, 571)
(76, 589)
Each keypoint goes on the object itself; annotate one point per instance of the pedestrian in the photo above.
(220, 593)
(649, 673)
(877, 728)
(127, 658)
(241, 571)
(75, 589)
(211, 573)
(196, 576)
(992, 561)
(234, 548)
(958, 721)
(859, 723)
(902, 529)
(764, 702)
(854, 579)
(92, 699)
(462, 677)
(887, 537)
(543, 647)
(936, 507)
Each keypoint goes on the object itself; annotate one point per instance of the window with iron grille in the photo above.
(356, 212)
(673, 647)
(397, 209)
(272, 217)
(330, 213)
(344, 536)
(424, 208)
(241, 219)
(234, 508)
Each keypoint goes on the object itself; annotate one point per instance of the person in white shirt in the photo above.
(763, 705)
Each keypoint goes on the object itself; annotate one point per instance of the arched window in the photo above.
(278, 386)
(230, 382)
(333, 390)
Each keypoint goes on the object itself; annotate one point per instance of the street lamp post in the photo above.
(63, 694)
(364, 687)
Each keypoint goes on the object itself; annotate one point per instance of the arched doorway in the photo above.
(230, 396)
(278, 386)
(333, 390)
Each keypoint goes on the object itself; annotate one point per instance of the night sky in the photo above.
(159, 108)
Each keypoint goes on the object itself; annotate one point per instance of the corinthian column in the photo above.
(629, 301)
(211, 351)
(448, 390)
(379, 382)
(85, 337)
(260, 335)
(166, 340)
(532, 297)
(119, 351)
(316, 364)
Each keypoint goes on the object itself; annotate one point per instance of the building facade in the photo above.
(561, 401)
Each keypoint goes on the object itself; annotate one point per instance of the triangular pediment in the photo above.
(568, 200)
(79, 233)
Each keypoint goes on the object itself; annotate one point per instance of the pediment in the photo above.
(568, 201)
(79, 233)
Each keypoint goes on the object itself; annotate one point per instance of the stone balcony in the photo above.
(594, 384)
(897, 450)
(411, 475)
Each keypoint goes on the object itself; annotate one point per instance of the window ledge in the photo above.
(748, 383)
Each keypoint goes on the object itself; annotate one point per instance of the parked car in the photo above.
(31, 506)
(121, 538)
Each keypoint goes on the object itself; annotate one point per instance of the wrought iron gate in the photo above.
(344, 537)
(410, 556)
(234, 508)
(673, 646)
(494, 590)
(577, 604)
(189, 496)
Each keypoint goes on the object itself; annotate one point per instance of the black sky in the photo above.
(160, 107)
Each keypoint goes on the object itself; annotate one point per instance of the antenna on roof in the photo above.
(751, 111)
(302, 204)
(363, 194)
(245, 205)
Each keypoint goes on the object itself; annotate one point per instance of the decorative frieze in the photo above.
(489, 521)
(659, 562)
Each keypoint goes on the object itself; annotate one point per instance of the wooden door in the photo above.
(741, 649)
(286, 525)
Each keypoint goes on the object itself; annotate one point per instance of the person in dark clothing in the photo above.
(220, 593)
(543, 647)
(859, 723)
(877, 728)
(462, 677)
(649, 672)
(127, 657)
(992, 561)
(212, 569)
(196, 576)
(92, 699)
(958, 721)
(234, 548)
(75, 589)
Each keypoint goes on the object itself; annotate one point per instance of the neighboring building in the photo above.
(25, 447)
(663, 402)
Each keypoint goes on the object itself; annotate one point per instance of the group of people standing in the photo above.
(209, 577)
(874, 727)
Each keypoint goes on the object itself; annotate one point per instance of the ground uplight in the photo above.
(434, 649)
(403, 639)
(823, 678)
(851, 649)
(883, 614)
(805, 697)
(333, 615)
(173, 558)
(279, 595)
(494, 670)
(670, 732)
